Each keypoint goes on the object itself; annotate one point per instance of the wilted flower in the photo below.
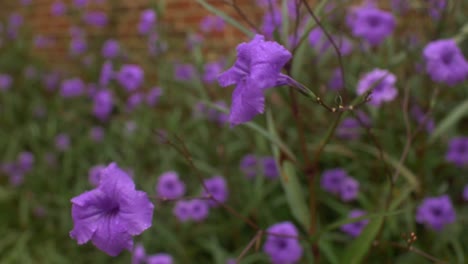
(110, 49)
(283, 249)
(436, 212)
(112, 213)
(445, 62)
(354, 229)
(147, 21)
(382, 84)
(72, 88)
(216, 188)
(457, 152)
(130, 77)
(169, 186)
(257, 68)
(371, 24)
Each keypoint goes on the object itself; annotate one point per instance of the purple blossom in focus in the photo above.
(169, 186)
(153, 96)
(270, 169)
(161, 258)
(457, 152)
(338, 182)
(436, 212)
(110, 49)
(212, 23)
(371, 24)
(184, 72)
(72, 88)
(131, 77)
(103, 104)
(354, 229)
(5, 82)
(62, 142)
(281, 249)
(112, 213)
(249, 165)
(445, 62)
(147, 22)
(382, 83)
(257, 68)
(94, 174)
(58, 8)
(217, 188)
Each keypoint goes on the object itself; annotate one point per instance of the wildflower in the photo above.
(138, 254)
(51, 80)
(211, 72)
(371, 24)
(152, 97)
(96, 134)
(436, 8)
(445, 62)
(182, 210)
(336, 81)
(349, 189)
(338, 182)
(134, 101)
(94, 174)
(283, 249)
(248, 165)
(271, 22)
(184, 72)
(112, 213)
(465, 193)
(382, 84)
(436, 212)
(62, 142)
(422, 118)
(107, 73)
(212, 23)
(216, 188)
(103, 104)
(130, 77)
(95, 18)
(457, 152)
(78, 46)
(256, 69)
(160, 258)
(147, 21)
(5, 82)
(72, 88)
(110, 49)
(319, 41)
(196, 210)
(351, 127)
(269, 167)
(354, 229)
(58, 8)
(169, 186)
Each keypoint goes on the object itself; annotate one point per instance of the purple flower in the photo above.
(371, 24)
(465, 193)
(319, 41)
(62, 142)
(445, 62)
(338, 182)
(103, 104)
(436, 8)
(182, 210)
(138, 254)
(72, 88)
(211, 72)
(130, 77)
(184, 72)
(80, 3)
(212, 23)
(107, 73)
(96, 134)
(94, 174)
(436, 212)
(349, 189)
(58, 8)
(194, 40)
(26, 2)
(217, 188)
(257, 68)
(5, 82)
(213, 114)
(196, 210)
(134, 101)
(351, 128)
(95, 18)
(248, 165)
(382, 83)
(160, 258)
(457, 152)
(271, 22)
(283, 249)
(336, 80)
(270, 169)
(147, 21)
(169, 186)
(422, 118)
(152, 97)
(25, 161)
(51, 80)
(354, 229)
(112, 213)
(110, 49)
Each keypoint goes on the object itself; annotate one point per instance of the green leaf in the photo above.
(449, 121)
(355, 253)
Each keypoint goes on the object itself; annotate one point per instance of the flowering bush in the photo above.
(359, 153)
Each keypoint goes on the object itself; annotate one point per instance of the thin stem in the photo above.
(252, 242)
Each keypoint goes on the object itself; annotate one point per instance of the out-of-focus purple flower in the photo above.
(147, 21)
(182, 210)
(319, 41)
(112, 213)
(51, 80)
(371, 24)
(382, 83)
(422, 118)
(161, 258)
(214, 114)
(131, 77)
(457, 152)
(58, 8)
(211, 72)
(15, 20)
(95, 18)
(270, 169)
(212, 23)
(336, 80)
(94, 174)
(169, 186)
(271, 22)
(338, 182)
(194, 40)
(72, 88)
(107, 73)
(400, 6)
(351, 127)
(354, 229)
(138, 254)
(445, 62)
(110, 49)
(25, 161)
(80, 3)
(436, 8)
(283, 249)
(436, 212)
(103, 104)
(465, 193)
(153, 96)
(196, 210)
(78, 46)
(62, 142)
(349, 189)
(217, 188)
(135, 100)
(184, 72)
(41, 41)
(5, 82)
(257, 68)
(26, 2)
(97, 134)
(249, 165)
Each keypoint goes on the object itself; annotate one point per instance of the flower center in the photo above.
(282, 244)
(447, 57)
(436, 211)
(373, 21)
